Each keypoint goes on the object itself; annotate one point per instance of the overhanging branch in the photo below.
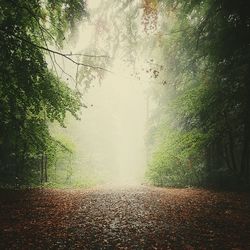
(57, 53)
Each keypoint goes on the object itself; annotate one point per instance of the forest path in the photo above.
(124, 218)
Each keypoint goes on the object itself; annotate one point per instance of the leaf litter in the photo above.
(124, 218)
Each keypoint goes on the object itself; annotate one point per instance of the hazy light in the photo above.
(109, 139)
(93, 4)
(114, 125)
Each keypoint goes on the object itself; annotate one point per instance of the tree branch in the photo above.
(57, 53)
(79, 54)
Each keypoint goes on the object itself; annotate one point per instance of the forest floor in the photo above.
(124, 218)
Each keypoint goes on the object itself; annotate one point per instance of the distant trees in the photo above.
(31, 95)
(206, 58)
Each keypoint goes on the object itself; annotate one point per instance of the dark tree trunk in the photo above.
(230, 144)
(42, 168)
(45, 168)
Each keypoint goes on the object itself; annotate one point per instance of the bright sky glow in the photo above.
(115, 124)
(93, 4)
(110, 137)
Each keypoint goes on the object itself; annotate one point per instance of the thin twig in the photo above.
(77, 74)
(63, 71)
(79, 54)
(49, 52)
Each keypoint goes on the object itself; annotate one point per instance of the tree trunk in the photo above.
(231, 143)
(45, 168)
(244, 165)
(42, 170)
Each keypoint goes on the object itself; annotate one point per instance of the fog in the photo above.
(112, 128)
(109, 140)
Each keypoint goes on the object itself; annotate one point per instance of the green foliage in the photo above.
(206, 58)
(178, 157)
(31, 95)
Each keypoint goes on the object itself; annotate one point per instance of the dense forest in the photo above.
(32, 95)
(194, 56)
(203, 127)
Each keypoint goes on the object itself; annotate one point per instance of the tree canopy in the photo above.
(207, 62)
(31, 94)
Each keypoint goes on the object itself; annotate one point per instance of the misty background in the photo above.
(109, 139)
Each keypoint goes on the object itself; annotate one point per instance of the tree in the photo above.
(207, 61)
(31, 94)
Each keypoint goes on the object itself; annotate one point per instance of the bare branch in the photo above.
(77, 74)
(57, 53)
(79, 54)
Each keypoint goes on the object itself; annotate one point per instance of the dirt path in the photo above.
(124, 218)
